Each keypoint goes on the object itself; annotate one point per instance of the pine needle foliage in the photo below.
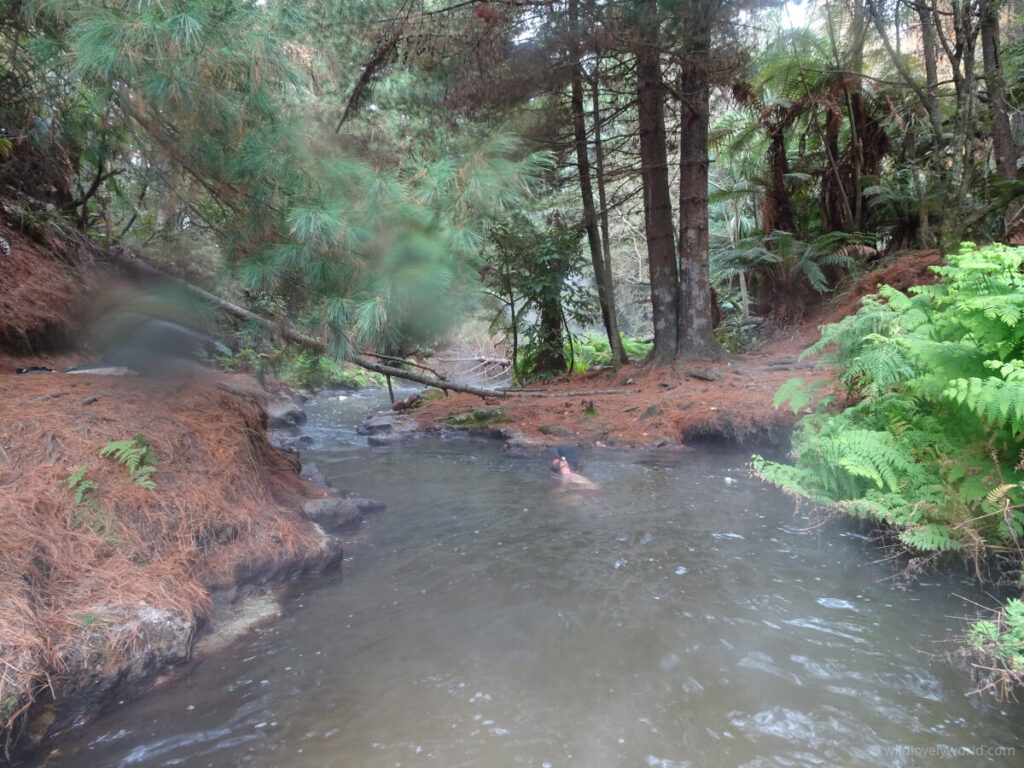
(930, 443)
(224, 113)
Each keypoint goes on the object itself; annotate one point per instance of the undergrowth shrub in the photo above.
(592, 350)
(1001, 643)
(930, 441)
(588, 351)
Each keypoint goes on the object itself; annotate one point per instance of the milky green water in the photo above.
(682, 615)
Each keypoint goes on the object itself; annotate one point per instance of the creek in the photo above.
(680, 615)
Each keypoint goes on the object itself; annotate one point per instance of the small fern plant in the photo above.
(87, 511)
(137, 456)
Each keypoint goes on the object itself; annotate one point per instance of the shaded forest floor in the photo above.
(637, 406)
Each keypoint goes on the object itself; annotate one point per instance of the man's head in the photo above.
(559, 464)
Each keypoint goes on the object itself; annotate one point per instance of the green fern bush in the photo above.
(592, 350)
(931, 444)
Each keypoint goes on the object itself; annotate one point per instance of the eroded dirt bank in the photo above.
(103, 583)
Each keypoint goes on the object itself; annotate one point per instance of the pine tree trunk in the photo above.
(696, 332)
(1003, 146)
(551, 355)
(661, 255)
(602, 198)
(602, 276)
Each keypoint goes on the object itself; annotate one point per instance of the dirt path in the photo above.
(637, 406)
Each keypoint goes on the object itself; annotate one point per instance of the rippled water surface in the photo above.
(681, 615)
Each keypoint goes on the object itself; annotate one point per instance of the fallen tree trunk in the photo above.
(130, 261)
(582, 393)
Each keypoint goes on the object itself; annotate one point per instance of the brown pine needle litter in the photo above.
(225, 504)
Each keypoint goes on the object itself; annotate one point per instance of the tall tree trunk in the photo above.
(661, 255)
(602, 198)
(952, 160)
(602, 275)
(930, 51)
(857, 115)
(961, 55)
(551, 354)
(1003, 146)
(696, 330)
(836, 205)
(855, 106)
(927, 95)
(777, 212)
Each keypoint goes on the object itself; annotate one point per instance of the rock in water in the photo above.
(333, 514)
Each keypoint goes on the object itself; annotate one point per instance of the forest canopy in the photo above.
(351, 167)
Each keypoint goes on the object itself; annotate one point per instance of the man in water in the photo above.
(560, 466)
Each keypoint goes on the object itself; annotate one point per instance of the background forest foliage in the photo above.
(346, 165)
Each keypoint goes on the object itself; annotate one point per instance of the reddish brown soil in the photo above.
(38, 293)
(731, 400)
(911, 269)
(656, 407)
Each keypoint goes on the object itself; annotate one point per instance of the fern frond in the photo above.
(873, 455)
(76, 477)
(930, 537)
(137, 456)
(999, 492)
(1001, 403)
(798, 392)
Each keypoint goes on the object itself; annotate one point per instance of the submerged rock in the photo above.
(232, 621)
(287, 441)
(314, 474)
(387, 428)
(553, 430)
(367, 506)
(333, 514)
